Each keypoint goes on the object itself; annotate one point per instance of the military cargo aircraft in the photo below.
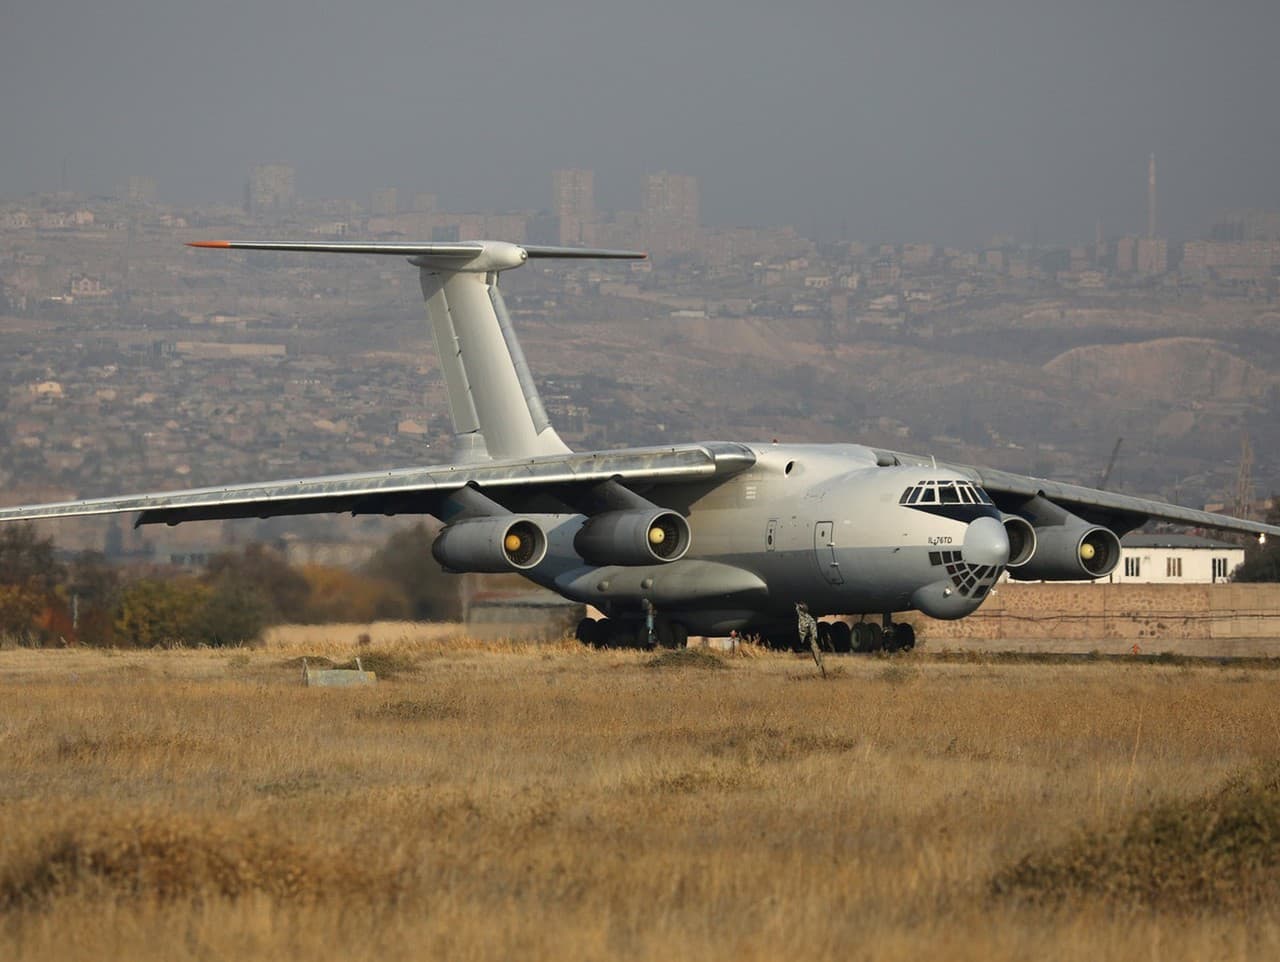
(712, 536)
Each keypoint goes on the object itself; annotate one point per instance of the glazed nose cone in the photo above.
(986, 543)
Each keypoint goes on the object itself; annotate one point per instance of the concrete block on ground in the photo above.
(337, 677)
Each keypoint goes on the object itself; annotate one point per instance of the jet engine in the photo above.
(491, 545)
(1070, 552)
(654, 536)
(1022, 540)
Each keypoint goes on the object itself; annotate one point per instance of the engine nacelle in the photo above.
(1022, 540)
(491, 545)
(1071, 552)
(655, 536)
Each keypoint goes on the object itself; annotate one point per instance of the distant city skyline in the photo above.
(893, 119)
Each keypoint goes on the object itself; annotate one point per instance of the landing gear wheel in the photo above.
(679, 635)
(841, 637)
(824, 636)
(617, 633)
(903, 637)
(867, 637)
(588, 632)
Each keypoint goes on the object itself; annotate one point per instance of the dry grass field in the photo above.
(530, 803)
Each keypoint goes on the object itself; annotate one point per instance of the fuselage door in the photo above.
(771, 536)
(824, 549)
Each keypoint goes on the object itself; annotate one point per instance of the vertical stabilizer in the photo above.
(492, 396)
(493, 399)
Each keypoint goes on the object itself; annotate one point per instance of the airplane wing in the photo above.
(1119, 512)
(408, 490)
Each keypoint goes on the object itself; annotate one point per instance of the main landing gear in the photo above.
(630, 633)
(868, 636)
(862, 636)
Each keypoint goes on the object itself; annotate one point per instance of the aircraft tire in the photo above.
(616, 634)
(861, 636)
(679, 635)
(868, 636)
(588, 632)
(841, 637)
(904, 637)
(877, 636)
(824, 636)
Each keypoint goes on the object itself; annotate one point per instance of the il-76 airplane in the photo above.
(711, 536)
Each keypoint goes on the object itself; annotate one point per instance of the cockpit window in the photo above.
(945, 492)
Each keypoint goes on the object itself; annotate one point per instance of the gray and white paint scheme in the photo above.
(717, 535)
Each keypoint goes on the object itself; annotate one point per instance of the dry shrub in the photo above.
(307, 661)
(1219, 851)
(385, 664)
(686, 658)
(160, 858)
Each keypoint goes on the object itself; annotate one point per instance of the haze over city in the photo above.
(888, 121)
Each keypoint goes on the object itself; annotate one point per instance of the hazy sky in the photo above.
(901, 119)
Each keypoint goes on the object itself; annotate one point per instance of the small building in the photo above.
(1175, 559)
(537, 615)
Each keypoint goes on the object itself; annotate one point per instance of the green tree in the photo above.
(1262, 562)
(27, 559)
(233, 613)
(406, 561)
(93, 589)
(264, 570)
(29, 580)
(341, 595)
(154, 611)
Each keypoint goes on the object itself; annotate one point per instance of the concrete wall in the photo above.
(1226, 619)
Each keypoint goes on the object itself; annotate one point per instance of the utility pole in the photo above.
(1244, 480)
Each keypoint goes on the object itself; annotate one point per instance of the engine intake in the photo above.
(1071, 552)
(1022, 540)
(649, 537)
(491, 545)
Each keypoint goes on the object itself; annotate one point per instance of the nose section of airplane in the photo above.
(986, 542)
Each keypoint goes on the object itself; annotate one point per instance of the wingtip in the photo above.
(219, 244)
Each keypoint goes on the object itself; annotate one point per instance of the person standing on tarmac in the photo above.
(809, 632)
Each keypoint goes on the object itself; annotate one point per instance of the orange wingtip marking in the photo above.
(208, 243)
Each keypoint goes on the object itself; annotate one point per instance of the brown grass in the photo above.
(518, 801)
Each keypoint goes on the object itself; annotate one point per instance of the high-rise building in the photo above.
(670, 214)
(270, 188)
(574, 205)
(1151, 255)
(575, 194)
(671, 200)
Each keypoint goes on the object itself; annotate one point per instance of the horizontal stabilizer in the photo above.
(464, 250)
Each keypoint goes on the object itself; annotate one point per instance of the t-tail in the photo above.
(493, 399)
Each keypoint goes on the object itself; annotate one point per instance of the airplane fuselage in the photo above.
(822, 524)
